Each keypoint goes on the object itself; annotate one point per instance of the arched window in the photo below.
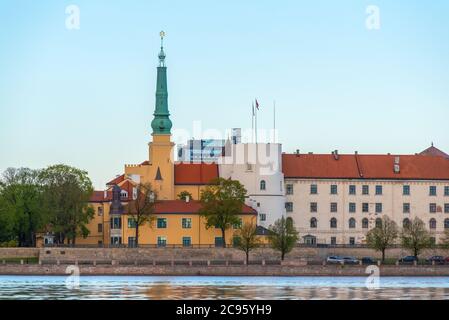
(351, 223)
(333, 223)
(446, 223)
(378, 223)
(405, 222)
(313, 223)
(365, 223)
(263, 185)
(432, 224)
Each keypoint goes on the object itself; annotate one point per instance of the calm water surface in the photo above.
(145, 287)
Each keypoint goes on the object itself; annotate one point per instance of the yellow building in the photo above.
(176, 222)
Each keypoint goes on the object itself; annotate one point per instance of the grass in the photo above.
(26, 260)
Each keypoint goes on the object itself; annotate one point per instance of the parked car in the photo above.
(334, 259)
(436, 259)
(350, 260)
(368, 260)
(408, 259)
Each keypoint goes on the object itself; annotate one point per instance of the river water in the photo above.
(202, 287)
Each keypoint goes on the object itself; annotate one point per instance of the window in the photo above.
(406, 207)
(132, 223)
(100, 227)
(289, 206)
(352, 207)
(352, 189)
(334, 189)
(334, 207)
(313, 207)
(352, 223)
(333, 241)
(186, 223)
(237, 225)
(446, 191)
(406, 223)
(161, 241)
(365, 223)
(446, 208)
(351, 241)
(116, 223)
(289, 189)
(236, 241)
(313, 189)
(432, 224)
(132, 242)
(262, 217)
(406, 190)
(365, 207)
(365, 189)
(186, 241)
(313, 223)
(378, 223)
(218, 241)
(100, 211)
(263, 185)
(161, 223)
(432, 207)
(123, 194)
(333, 223)
(379, 190)
(378, 207)
(432, 191)
(116, 240)
(446, 223)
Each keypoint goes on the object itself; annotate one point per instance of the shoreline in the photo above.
(223, 271)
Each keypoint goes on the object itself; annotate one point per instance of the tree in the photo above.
(247, 239)
(415, 237)
(67, 193)
(445, 239)
(221, 203)
(141, 208)
(184, 194)
(21, 212)
(283, 236)
(383, 236)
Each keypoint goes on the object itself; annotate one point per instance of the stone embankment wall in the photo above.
(18, 252)
(225, 270)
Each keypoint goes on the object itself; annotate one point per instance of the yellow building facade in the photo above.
(175, 222)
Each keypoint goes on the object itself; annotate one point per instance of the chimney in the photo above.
(336, 156)
(105, 195)
(297, 152)
(187, 199)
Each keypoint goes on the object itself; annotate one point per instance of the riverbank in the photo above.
(251, 270)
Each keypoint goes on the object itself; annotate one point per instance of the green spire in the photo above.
(161, 123)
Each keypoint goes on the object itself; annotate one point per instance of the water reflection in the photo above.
(303, 288)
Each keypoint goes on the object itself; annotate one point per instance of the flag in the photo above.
(257, 104)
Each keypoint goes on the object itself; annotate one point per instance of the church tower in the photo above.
(161, 148)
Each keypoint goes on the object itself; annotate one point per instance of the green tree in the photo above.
(415, 236)
(141, 208)
(184, 194)
(21, 213)
(383, 236)
(283, 236)
(67, 193)
(221, 204)
(247, 239)
(445, 239)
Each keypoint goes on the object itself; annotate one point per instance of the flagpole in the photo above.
(274, 121)
(252, 123)
(257, 109)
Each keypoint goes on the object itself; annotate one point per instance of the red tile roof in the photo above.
(98, 196)
(191, 207)
(325, 166)
(195, 173)
(432, 151)
(116, 180)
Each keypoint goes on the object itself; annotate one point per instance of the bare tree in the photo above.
(247, 239)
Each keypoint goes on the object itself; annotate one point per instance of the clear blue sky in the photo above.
(85, 97)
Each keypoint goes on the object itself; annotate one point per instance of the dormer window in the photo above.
(123, 194)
